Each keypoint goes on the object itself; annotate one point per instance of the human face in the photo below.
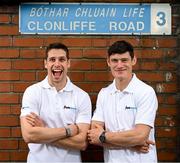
(121, 65)
(57, 66)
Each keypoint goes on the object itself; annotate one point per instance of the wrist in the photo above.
(102, 137)
(77, 128)
(68, 132)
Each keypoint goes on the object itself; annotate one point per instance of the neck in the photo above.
(58, 85)
(121, 84)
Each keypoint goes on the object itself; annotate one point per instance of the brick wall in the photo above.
(21, 64)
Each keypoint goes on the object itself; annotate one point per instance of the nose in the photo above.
(57, 62)
(119, 63)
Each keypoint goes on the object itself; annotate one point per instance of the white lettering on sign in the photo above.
(133, 12)
(49, 12)
(95, 12)
(61, 26)
(124, 26)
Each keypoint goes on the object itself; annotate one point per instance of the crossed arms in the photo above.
(34, 130)
(135, 139)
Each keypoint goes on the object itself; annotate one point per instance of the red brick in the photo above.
(9, 53)
(16, 132)
(19, 155)
(16, 109)
(8, 75)
(28, 64)
(170, 87)
(164, 143)
(8, 144)
(95, 53)
(27, 76)
(76, 76)
(5, 132)
(171, 99)
(98, 76)
(4, 156)
(9, 121)
(167, 66)
(92, 87)
(52, 39)
(75, 53)
(167, 155)
(23, 145)
(167, 110)
(166, 132)
(9, 30)
(5, 65)
(93, 99)
(170, 53)
(5, 110)
(167, 42)
(149, 65)
(5, 87)
(5, 41)
(152, 54)
(160, 98)
(166, 121)
(150, 76)
(41, 75)
(77, 42)
(27, 42)
(99, 65)
(35, 53)
(138, 53)
(148, 42)
(99, 42)
(15, 19)
(9, 98)
(136, 66)
(9, 9)
(20, 87)
(4, 18)
(80, 65)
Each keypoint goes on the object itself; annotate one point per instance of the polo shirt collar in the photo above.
(128, 89)
(68, 87)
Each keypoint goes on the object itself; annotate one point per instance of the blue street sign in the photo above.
(94, 18)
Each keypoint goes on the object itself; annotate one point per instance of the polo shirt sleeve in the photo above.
(30, 101)
(85, 109)
(98, 113)
(147, 106)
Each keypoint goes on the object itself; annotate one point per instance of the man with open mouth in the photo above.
(55, 114)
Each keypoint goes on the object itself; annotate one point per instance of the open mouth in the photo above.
(57, 73)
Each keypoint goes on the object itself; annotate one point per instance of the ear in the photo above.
(108, 61)
(69, 63)
(45, 63)
(134, 60)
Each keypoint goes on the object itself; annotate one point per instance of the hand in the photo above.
(74, 129)
(34, 120)
(93, 134)
(143, 148)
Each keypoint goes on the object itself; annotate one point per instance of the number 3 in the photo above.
(161, 18)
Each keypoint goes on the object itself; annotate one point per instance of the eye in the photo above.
(124, 60)
(114, 60)
(52, 59)
(62, 59)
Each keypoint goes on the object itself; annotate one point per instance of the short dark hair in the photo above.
(57, 45)
(121, 47)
